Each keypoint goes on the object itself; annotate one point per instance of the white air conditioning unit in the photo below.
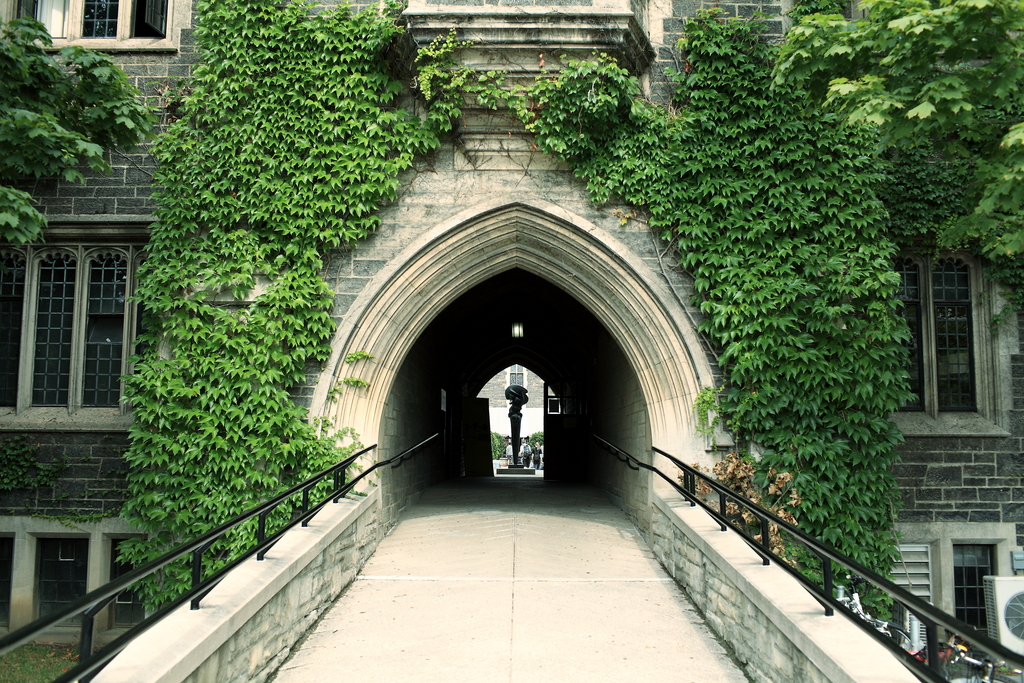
(1004, 601)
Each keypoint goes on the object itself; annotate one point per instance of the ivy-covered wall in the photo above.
(941, 479)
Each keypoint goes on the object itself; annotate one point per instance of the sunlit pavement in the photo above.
(512, 579)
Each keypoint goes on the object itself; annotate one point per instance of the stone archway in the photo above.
(603, 274)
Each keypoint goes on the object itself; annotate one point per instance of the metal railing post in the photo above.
(766, 539)
(305, 504)
(826, 580)
(931, 633)
(197, 572)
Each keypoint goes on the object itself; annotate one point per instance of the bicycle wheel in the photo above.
(899, 636)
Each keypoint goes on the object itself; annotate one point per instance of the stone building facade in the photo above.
(486, 215)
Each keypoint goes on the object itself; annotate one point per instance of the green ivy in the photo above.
(20, 467)
(774, 214)
(497, 446)
(705, 408)
(805, 8)
(287, 140)
(58, 113)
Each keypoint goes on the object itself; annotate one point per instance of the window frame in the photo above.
(82, 255)
(517, 369)
(39, 600)
(991, 398)
(177, 17)
(961, 609)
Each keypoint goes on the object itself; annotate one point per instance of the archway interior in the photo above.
(590, 386)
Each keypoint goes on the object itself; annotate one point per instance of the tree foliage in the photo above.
(57, 114)
(288, 139)
(772, 208)
(947, 75)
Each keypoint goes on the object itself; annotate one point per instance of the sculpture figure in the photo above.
(517, 397)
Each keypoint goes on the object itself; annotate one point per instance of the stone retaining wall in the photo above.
(249, 623)
(775, 628)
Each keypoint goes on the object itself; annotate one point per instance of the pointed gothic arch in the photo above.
(634, 304)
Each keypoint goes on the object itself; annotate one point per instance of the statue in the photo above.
(517, 397)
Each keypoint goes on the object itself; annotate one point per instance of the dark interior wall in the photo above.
(412, 413)
(619, 415)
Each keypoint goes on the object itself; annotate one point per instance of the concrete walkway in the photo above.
(514, 580)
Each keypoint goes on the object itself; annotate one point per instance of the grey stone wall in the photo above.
(619, 415)
(263, 643)
(774, 627)
(407, 421)
(92, 484)
(127, 191)
(962, 480)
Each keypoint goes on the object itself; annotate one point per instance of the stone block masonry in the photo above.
(947, 479)
(248, 625)
(775, 628)
(93, 483)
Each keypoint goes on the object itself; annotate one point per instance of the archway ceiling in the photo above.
(475, 331)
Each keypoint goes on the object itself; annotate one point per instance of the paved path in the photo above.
(512, 580)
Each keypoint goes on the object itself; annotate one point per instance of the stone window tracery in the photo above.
(66, 324)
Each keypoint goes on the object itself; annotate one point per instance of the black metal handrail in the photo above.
(95, 601)
(929, 615)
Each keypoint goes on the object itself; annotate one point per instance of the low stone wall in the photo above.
(248, 624)
(774, 626)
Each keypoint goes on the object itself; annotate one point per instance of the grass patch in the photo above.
(37, 663)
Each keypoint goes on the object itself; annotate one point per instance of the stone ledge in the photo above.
(176, 647)
(841, 651)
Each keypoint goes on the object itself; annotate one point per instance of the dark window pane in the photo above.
(128, 609)
(150, 19)
(53, 332)
(12, 292)
(100, 19)
(26, 9)
(910, 294)
(6, 555)
(971, 563)
(954, 356)
(103, 339)
(61, 572)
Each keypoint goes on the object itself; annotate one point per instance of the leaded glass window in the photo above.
(12, 294)
(936, 300)
(100, 19)
(128, 606)
(516, 375)
(104, 337)
(971, 564)
(910, 294)
(62, 569)
(54, 326)
(64, 323)
(954, 359)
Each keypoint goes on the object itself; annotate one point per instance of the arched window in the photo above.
(936, 298)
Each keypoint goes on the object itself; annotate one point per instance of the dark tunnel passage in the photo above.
(589, 388)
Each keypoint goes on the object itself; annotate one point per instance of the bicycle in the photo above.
(894, 631)
(963, 664)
